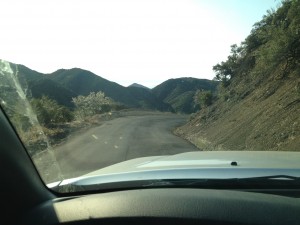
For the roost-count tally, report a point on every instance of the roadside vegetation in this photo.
(54, 122)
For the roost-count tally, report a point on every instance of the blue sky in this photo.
(134, 41)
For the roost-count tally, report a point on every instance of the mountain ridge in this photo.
(179, 92)
(138, 85)
(64, 84)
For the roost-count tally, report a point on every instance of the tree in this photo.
(203, 98)
(280, 30)
(49, 112)
(226, 70)
(94, 103)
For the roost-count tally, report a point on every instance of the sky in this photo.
(127, 41)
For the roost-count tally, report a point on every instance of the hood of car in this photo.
(196, 165)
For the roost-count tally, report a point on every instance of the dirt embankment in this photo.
(264, 118)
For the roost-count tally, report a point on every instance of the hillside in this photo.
(258, 104)
(39, 84)
(179, 92)
(63, 85)
(83, 82)
(146, 99)
(174, 95)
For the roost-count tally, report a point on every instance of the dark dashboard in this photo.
(169, 206)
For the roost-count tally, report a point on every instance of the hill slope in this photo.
(63, 85)
(83, 82)
(179, 92)
(258, 104)
(175, 95)
(146, 99)
(39, 84)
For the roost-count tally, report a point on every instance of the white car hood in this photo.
(208, 159)
(194, 165)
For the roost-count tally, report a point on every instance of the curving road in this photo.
(121, 139)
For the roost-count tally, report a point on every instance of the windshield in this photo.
(107, 92)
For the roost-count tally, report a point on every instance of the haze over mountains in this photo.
(175, 95)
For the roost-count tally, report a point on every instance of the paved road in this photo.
(121, 139)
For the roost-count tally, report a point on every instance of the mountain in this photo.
(146, 99)
(138, 85)
(63, 85)
(258, 101)
(179, 92)
(174, 95)
(39, 84)
(82, 82)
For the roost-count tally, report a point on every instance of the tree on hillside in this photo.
(94, 103)
(49, 112)
(226, 70)
(283, 47)
(203, 98)
(274, 41)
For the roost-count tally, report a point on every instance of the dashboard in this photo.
(169, 206)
